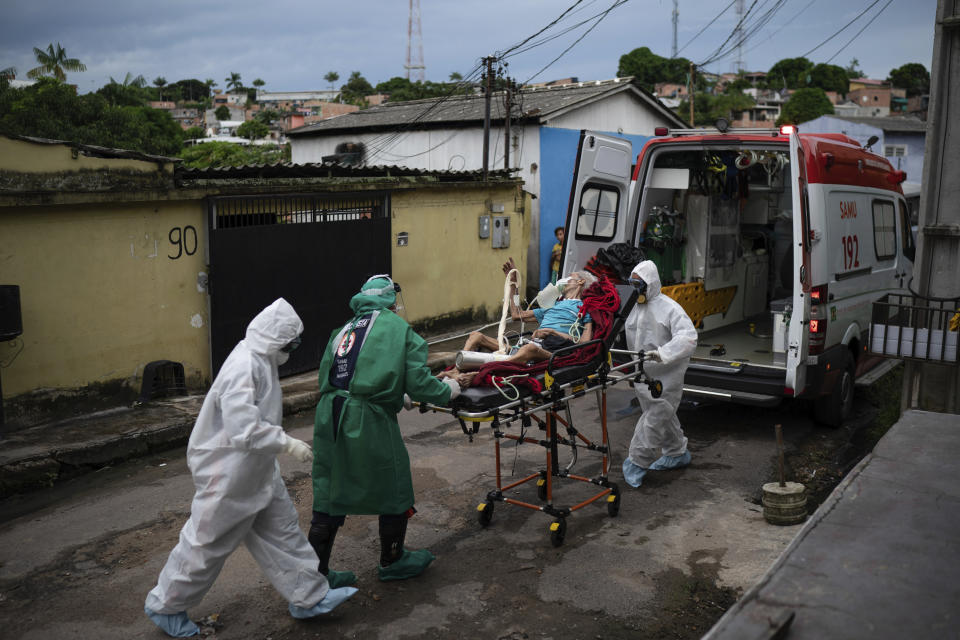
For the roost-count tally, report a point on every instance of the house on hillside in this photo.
(447, 134)
(901, 140)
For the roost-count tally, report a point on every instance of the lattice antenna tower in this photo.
(739, 35)
(676, 20)
(415, 68)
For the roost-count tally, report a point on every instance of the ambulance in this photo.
(776, 242)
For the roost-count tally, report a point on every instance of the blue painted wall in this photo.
(912, 163)
(558, 154)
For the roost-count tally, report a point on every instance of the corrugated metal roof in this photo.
(328, 170)
(95, 151)
(532, 104)
(887, 123)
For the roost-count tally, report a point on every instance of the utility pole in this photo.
(676, 19)
(486, 116)
(739, 35)
(506, 125)
(693, 69)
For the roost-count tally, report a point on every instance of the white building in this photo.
(447, 134)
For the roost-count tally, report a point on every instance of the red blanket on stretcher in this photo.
(601, 301)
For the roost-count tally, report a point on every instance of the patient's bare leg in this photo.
(477, 341)
(529, 352)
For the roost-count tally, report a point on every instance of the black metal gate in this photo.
(313, 250)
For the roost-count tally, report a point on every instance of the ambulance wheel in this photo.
(613, 506)
(558, 531)
(485, 513)
(832, 409)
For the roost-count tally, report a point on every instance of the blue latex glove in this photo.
(333, 598)
(671, 462)
(633, 473)
(175, 625)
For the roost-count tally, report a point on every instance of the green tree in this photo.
(828, 77)
(192, 90)
(131, 92)
(228, 154)
(234, 85)
(356, 90)
(853, 69)
(52, 109)
(707, 108)
(211, 85)
(258, 82)
(789, 72)
(455, 77)
(54, 63)
(805, 105)
(194, 133)
(160, 82)
(253, 129)
(222, 112)
(331, 78)
(912, 76)
(9, 73)
(647, 68)
(267, 116)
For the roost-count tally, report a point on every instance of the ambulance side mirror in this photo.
(872, 140)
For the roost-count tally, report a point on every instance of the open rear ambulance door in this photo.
(599, 195)
(798, 331)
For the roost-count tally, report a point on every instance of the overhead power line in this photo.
(715, 18)
(857, 34)
(841, 29)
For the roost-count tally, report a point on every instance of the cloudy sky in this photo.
(291, 45)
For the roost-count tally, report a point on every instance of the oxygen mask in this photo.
(548, 296)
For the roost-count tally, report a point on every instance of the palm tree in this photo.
(54, 62)
(9, 73)
(233, 82)
(160, 82)
(130, 81)
(332, 77)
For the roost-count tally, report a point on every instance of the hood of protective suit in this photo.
(647, 271)
(367, 300)
(273, 328)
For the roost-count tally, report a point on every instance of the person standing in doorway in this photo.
(555, 255)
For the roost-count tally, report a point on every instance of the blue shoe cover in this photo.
(175, 625)
(330, 602)
(337, 579)
(633, 473)
(671, 462)
(410, 565)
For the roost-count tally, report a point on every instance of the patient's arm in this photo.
(587, 333)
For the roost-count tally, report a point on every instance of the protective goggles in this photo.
(292, 345)
(640, 286)
(393, 286)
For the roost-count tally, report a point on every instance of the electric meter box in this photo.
(501, 232)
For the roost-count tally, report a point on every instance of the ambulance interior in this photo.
(718, 223)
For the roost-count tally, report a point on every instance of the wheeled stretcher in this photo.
(549, 409)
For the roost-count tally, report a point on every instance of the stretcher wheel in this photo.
(558, 531)
(485, 513)
(656, 388)
(542, 489)
(613, 505)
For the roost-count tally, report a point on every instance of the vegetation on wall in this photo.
(226, 154)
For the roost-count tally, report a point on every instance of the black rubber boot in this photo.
(323, 531)
(321, 538)
(393, 531)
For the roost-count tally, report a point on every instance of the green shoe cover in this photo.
(338, 579)
(410, 565)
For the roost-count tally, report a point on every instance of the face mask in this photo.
(291, 346)
(547, 297)
(641, 288)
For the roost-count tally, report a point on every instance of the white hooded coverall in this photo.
(240, 496)
(660, 324)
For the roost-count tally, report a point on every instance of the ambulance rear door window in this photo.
(884, 229)
(597, 217)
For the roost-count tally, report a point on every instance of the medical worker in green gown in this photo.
(360, 463)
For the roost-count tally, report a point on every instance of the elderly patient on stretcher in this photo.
(561, 325)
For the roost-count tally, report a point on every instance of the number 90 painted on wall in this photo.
(184, 239)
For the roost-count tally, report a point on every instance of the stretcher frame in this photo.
(554, 398)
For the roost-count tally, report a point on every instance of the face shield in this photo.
(641, 287)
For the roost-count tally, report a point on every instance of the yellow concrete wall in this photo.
(103, 292)
(32, 157)
(447, 268)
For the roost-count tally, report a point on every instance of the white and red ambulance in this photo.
(777, 243)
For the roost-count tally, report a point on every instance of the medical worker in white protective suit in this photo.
(660, 328)
(240, 496)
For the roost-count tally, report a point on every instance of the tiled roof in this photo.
(326, 170)
(887, 123)
(530, 105)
